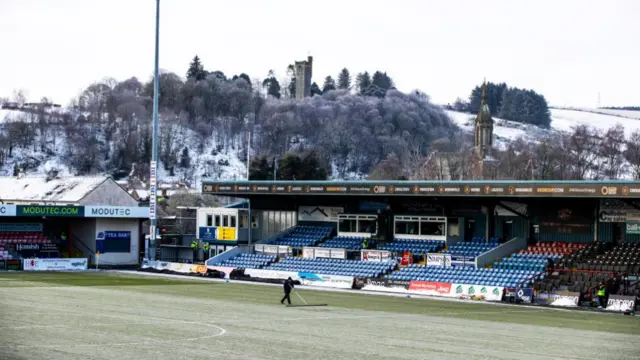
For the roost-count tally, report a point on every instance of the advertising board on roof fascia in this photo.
(577, 190)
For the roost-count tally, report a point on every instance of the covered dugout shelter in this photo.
(59, 217)
(562, 211)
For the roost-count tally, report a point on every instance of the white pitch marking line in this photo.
(221, 331)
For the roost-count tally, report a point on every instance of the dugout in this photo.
(562, 211)
(70, 217)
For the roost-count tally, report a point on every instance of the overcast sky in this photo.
(568, 50)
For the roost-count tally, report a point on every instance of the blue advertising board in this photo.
(207, 233)
(524, 295)
(113, 241)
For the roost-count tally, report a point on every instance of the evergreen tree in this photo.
(242, 76)
(363, 82)
(261, 169)
(196, 70)
(306, 166)
(329, 84)
(185, 159)
(344, 80)
(272, 85)
(315, 89)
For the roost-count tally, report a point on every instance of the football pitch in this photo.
(107, 315)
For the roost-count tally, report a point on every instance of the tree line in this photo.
(350, 125)
(509, 103)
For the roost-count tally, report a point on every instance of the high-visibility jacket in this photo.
(194, 244)
(205, 246)
(601, 290)
(364, 244)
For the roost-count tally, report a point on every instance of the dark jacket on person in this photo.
(288, 285)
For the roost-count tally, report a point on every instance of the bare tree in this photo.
(612, 152)
(632, 154)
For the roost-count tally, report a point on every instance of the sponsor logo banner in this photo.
(559, 298)
(431, 288)
(8, 210)
(174, 267)
(55, 264)
(331, 281)
(489, 293)
(319, 213)
(376, 255)
(271, 274)
(116, 212)
(438, 259)
(524, 295)
(621, 303)
(45, 210)
(382, 189)
(273, 249)
(633, 227)
(20, 227)
(333, 253)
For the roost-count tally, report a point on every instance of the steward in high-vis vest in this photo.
(194, 248)
(364, 243)
(601, 294)
(205, 247)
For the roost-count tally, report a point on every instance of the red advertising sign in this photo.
(407, 258)
(439, 287)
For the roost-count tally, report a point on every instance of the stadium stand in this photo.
(342, 267)
(475, 247)
(344, 242)
(582, 270)
(249, 261)
(10, 239)
(416, 246)
(304, 235)
(466, 275)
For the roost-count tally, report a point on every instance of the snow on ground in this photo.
(561, 120)
(630, 114)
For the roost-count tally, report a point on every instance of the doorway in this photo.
(618, 233)
(507, 230)
(469, 229)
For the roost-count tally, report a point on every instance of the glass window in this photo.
(453, 228)
(254, 221)
(233, 221)
(225, 221)
(432, 228)
(217, 222)
(244, 219)
(209, 220)
(347, 225)
(407, 227)
(367, 226)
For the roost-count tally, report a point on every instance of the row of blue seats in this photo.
(304, 235)
(334, 267)
(471, 276)
(344, 242)
(537, 262)
(251, 261)
(480, 240)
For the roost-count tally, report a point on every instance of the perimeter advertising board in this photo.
(412, 188)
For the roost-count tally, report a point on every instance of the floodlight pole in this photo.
(153, 181)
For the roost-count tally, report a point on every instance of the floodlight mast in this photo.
(153, 181)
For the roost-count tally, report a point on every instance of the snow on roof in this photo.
(37, 188)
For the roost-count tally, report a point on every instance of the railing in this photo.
(84, 249)
(501, 251)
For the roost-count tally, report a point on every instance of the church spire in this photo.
(484, 125)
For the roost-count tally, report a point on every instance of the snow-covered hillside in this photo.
(222, 163)
(562, 120)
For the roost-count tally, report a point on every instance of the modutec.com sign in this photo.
(117, 212)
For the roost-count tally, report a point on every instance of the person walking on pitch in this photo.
(288, 286)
